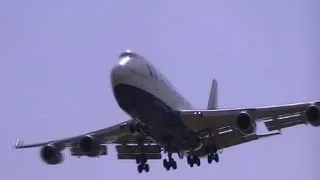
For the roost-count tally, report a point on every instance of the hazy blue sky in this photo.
(56, 56)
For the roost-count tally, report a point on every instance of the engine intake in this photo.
(90, 146)
(51, 155)
(245, 123)
(313, 115)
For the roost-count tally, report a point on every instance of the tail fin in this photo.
(213, 96)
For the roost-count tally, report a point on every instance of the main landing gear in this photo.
(212, 154)
(212, 157)
(141, 160)
(169, 163)
(192, 160)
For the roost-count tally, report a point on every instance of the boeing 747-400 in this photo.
(164, 121)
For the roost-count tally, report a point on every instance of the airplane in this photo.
(161, 120)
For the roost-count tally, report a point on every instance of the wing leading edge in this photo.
(127, 137)
(117, 134)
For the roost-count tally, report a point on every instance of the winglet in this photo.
(18, 143)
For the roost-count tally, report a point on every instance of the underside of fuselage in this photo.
(163, 123)
(152, 103)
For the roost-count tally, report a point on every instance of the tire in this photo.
(146, 167)
(216, 158)
(189, 160)
(210, 159)
(165, 163)
(198, 162)
(174, 165)
(140, 168)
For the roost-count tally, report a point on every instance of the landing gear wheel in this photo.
(174, 165)
(210, 158)
(197, 161)
(193, 160)
(216, 158)
(189, 160)
(212, 153)
(169, 164)
(141, 160)
(166, 164)
(140, 168)
(146, 167)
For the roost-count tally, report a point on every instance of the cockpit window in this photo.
(128, 54)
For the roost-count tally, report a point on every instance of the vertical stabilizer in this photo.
(213, 96)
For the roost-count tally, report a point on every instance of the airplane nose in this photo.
(117, 74)
(120, 73)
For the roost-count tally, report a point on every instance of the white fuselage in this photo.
(134, 71)
(149, 98)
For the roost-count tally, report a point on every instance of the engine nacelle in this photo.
(246, 123)
(90, 146)
(313, 115)
(51, 155)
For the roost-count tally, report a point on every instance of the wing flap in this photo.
(76, 151)
(132, 151)
(134, 156)
(284, 122)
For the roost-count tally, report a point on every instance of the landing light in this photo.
(124, 61)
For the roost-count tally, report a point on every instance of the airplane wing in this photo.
(229, 127)
(128, 144)
(116, 134)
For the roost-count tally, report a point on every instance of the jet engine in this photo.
(90, 146)
(313, 115)
(245, 123)
(51, 155)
